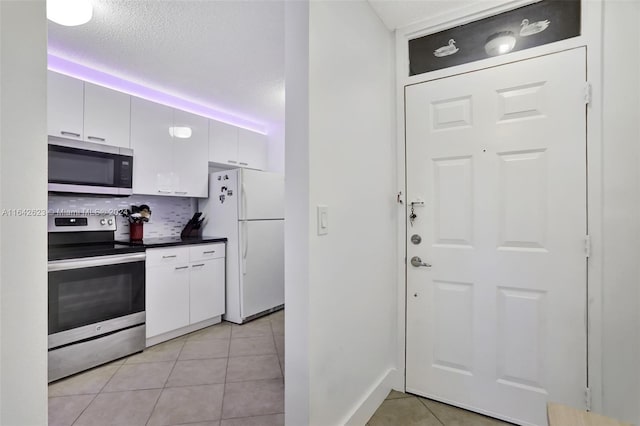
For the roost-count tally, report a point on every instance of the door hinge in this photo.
(587, 93)
(399, 198)
(587, 399)
(587, 246)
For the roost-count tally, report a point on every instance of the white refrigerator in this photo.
(247, 207)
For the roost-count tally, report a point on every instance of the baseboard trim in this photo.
(151, 341)
(372, 400)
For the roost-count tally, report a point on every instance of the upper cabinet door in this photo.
(107, 116)
(190, 156)
(223, 143)
(152, 147)
(65, 99)
(252, 149)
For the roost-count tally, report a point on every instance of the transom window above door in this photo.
(533, 25)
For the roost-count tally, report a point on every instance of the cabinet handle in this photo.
(228, 161)
(62, 132)
(180, 192)
(208, 252)
(167, 257)
(244, 164)
(199, 264)
(96, 138)
(164, 192)
(181, 267)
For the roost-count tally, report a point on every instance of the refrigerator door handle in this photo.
(243, 202)
(245, 246)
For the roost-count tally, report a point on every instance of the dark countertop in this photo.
(173, 241)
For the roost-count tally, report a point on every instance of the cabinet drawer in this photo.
(167, 256)
(204, 252)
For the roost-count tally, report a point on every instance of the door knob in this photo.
(416, 261)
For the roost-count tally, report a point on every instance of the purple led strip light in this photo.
(100, 78)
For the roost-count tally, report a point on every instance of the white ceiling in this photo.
(226, 55)
(401, 13)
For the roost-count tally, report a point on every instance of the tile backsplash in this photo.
(168, 214)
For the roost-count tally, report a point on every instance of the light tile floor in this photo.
(401, 409)
(224, 375)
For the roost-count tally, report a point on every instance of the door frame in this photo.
(591, 24)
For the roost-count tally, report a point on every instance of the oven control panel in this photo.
(75, 223)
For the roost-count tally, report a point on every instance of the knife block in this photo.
(189, 232)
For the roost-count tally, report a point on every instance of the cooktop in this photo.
(75, 251)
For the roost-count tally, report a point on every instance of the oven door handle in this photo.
(89, 262)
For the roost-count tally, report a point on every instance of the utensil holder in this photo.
(136, 231)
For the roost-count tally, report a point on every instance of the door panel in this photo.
(453, 184)
(496, 163)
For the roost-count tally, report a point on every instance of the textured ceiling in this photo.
(225, 55)
(401, 13)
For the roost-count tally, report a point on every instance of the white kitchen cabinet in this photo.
(206, 286)
(152, 147)
(85, 111)
(185, 289)
(167, 298)
(252, 149)
(223, 143)
(206, 252)
(107, 116)
(65, 106)
(236, 147)
(190, 164)
(162, 164)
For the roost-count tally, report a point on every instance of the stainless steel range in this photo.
(96, 294)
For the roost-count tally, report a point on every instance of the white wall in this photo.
(352, 271)
(340, 288)
(296, 224)
(275, 148)
(621, 212)
(23, 185)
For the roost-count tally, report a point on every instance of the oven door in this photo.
(93, 296)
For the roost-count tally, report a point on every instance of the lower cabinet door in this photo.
(207, 289)
(167, 298)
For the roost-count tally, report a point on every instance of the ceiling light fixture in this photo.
(69, 13)
(500, 43)
(180, 132)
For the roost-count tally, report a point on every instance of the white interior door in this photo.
(498, 156)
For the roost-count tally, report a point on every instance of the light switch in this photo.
(323, 220)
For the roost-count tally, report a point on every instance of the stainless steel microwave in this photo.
(89, 168)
